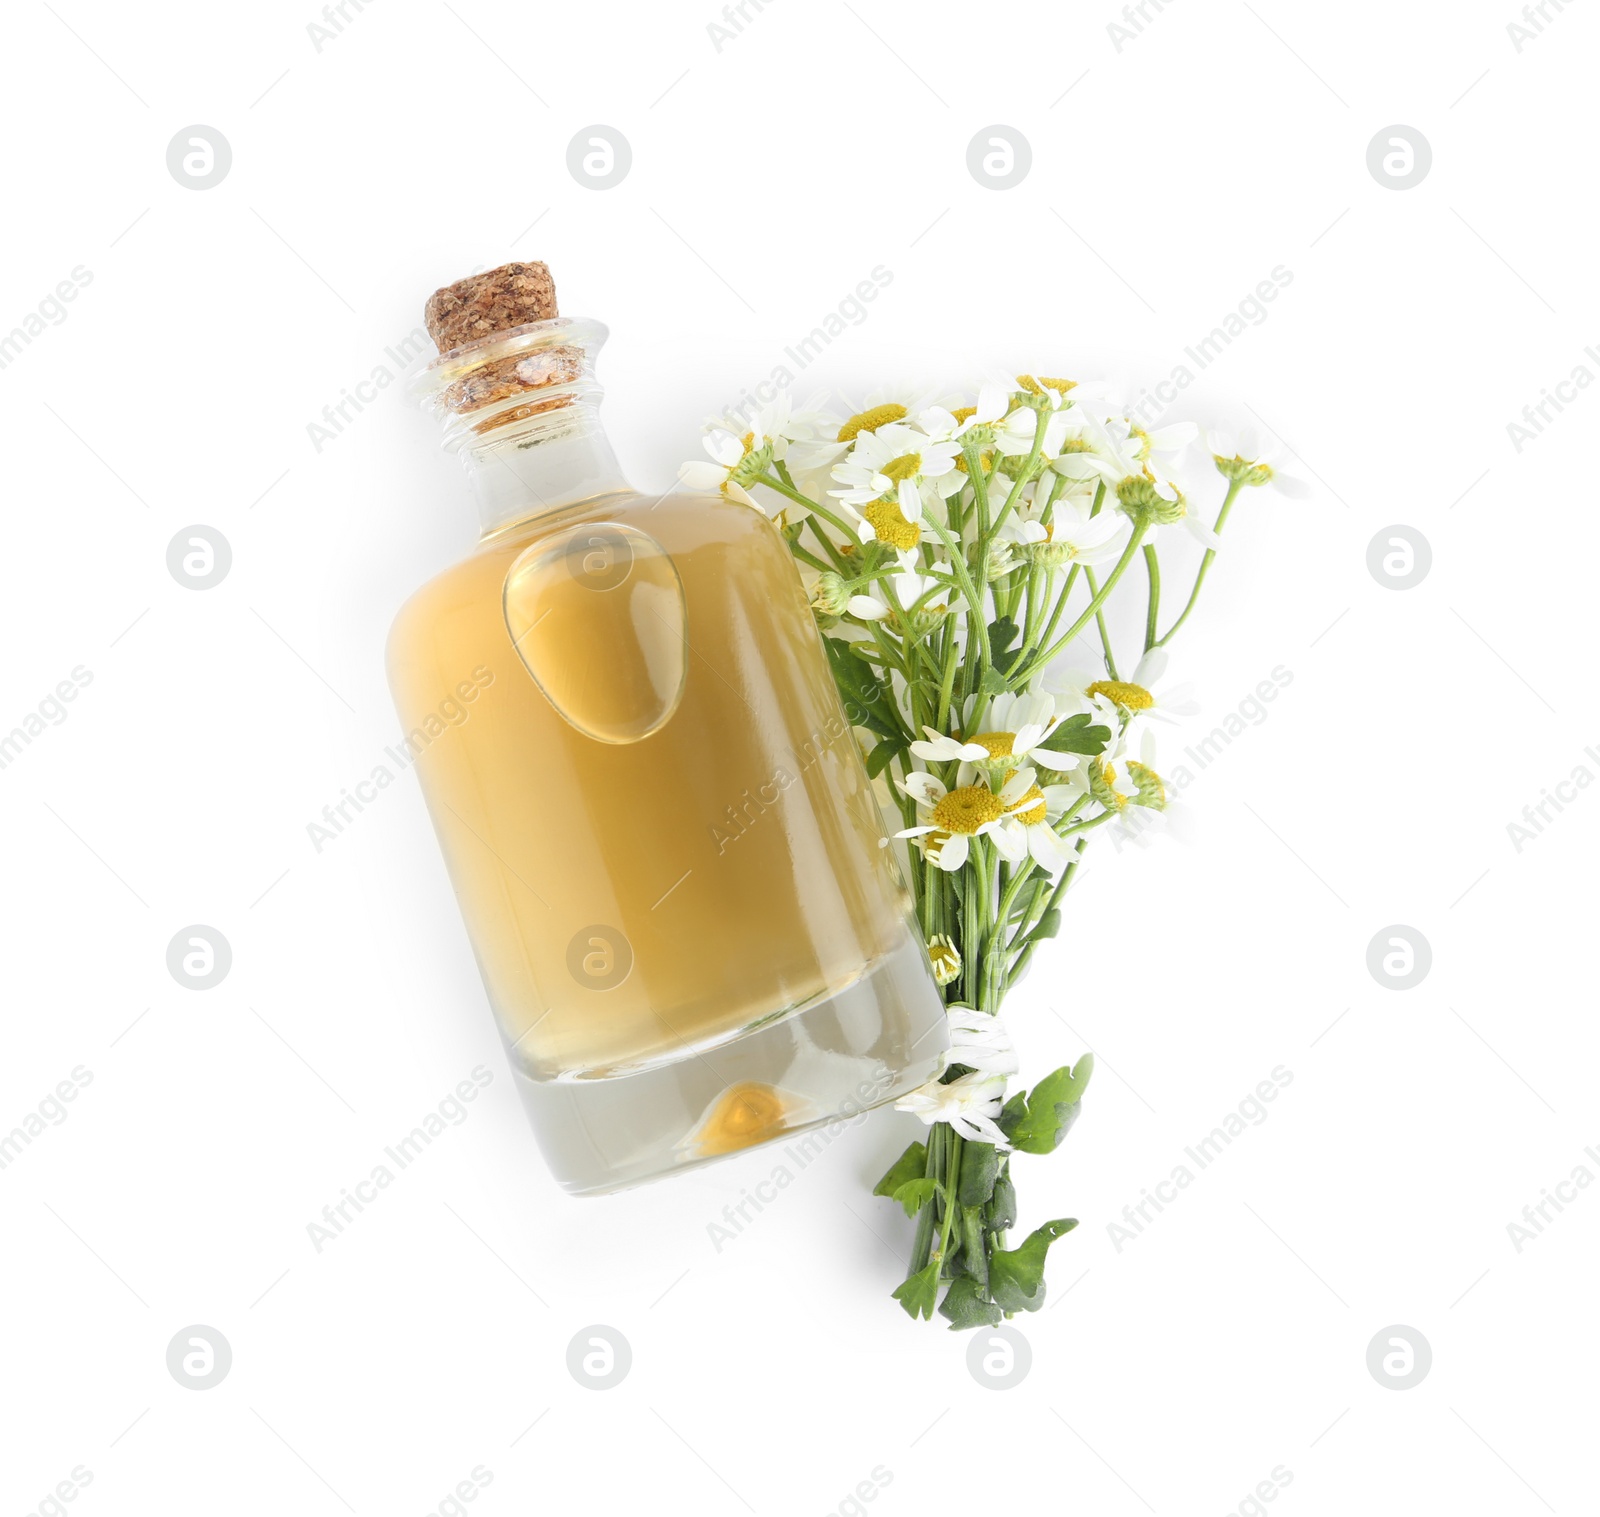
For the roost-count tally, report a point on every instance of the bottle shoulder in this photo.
(680, 522)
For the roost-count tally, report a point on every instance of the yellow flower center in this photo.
(870, 421)
(1042, 383)
(906, 466)
(1129, 696)
(967, 809)
(1106, 791)
(748, 441)
(1035, 812)
(998, 743)
(945, 958)
(1076, 445)
(963, 413)
(891, 526)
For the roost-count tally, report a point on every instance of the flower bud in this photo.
(830, 595)
(1141, 499)
(1152, 791)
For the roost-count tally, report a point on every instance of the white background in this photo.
(769, 176)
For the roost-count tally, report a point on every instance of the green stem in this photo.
(1153, 568)
(1100, 626)
(970, 592)
(1205, 565)
(816, 507)
(1092, 610)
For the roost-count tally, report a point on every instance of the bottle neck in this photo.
(541, 464)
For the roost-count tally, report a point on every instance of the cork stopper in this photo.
(481, 305)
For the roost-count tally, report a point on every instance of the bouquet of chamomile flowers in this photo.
(961, 559)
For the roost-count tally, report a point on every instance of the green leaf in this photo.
(1003, 1205)
(1048, 925)
(1038, 1121)
(913, 1195)
(883, 755)
(966, 1306)
(980, 1163)
(1003, 633)
(864, 693)
(1077, 735)
(994, 683)
(974, 1247)
(917, 1293)
(1016, 1275)
(911, 1165)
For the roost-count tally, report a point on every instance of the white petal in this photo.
(1151, 667)
(698, 475)
(867, 608)
(1010, 840)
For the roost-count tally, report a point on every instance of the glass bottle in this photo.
(665, 844)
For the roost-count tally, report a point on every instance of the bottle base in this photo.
(827, 1062)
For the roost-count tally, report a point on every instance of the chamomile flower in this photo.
(1124, 701)
(892, 463)
(901, 592)
(979, 1041)
(1026, 830)
(951, 818)
(1012, 728)
(1160, 505)
(944, 958)
(1245, 459)
(969, 1105)
(736, 463)
(980, 1044)
(1158, 450)
(1072, 535)
(832, 435)
(744, 444)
